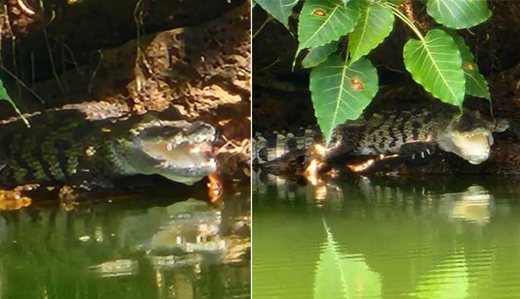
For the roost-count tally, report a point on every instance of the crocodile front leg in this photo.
(417, 150)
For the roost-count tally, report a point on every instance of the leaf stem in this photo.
(20, 114)
(19, 81)
(405, 20)
(267, 20)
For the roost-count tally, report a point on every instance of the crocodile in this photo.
(413, 131)
(65, 146)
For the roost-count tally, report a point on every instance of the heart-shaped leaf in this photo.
(374, 25)
(341, 92)
(458, 13)
(476, 84)
(435, 63)
(319, 54)
(281, 10)
(341, 276)
(324, 21)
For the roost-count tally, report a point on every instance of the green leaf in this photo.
(319, 54)
(476, 84)
(458, 13)
(3, 93)
(374, 25)
(341, 92)
(5, 96)
(340, 276)
(324, 21)
(281, 10)
(435, 63)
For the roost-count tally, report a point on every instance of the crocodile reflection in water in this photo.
(185, 227)
(468, 202)
(63, 146)
(191, 226)
(406, 230)
(109, 240)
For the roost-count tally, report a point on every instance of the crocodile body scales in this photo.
(387, 132)
(405, 130)
(63, 146)
(51, 150)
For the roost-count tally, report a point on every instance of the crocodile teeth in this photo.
(211, 162)
(195, 150)
(178, 139)
(164, 164)
(477, 133)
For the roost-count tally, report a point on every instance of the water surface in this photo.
(143, 247)
(432, 237)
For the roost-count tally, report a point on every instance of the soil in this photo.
(130, 56)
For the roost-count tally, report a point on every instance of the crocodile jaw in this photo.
(473, 146)
(184, 163)
(181, 154)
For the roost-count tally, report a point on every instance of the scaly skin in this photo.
(62, 146)
(412, 131)
(407, 131)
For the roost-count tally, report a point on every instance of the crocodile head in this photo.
(470, 136)
(178, 150)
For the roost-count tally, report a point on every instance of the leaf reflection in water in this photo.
(343, 276)
(392, 237)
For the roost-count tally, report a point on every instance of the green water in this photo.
(135, 248)
(431, 237)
